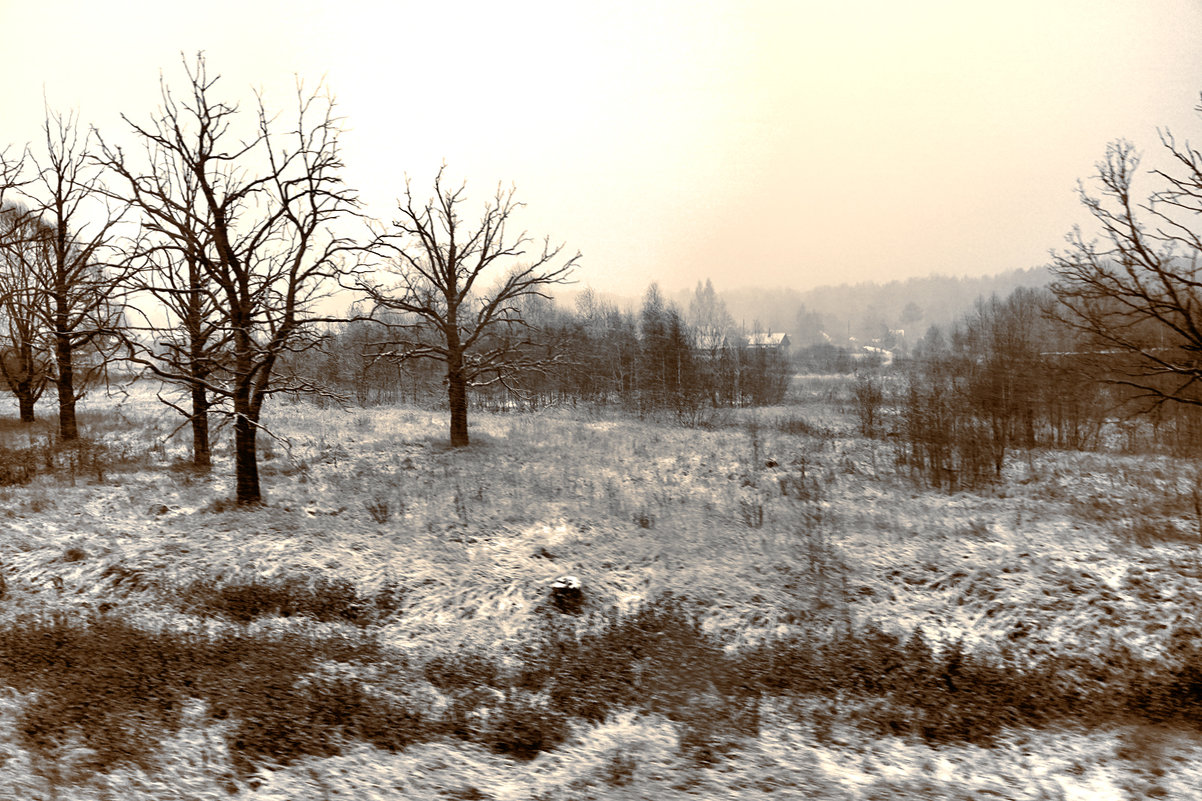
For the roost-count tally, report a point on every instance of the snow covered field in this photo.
(779, 525)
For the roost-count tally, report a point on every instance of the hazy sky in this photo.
(769, 143)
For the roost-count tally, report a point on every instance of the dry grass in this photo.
(454, 551)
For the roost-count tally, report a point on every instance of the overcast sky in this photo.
(766, 143)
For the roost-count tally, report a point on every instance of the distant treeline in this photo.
(861, 313)
(658, 360)
(1013, 375)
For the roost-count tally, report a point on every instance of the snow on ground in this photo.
(1070, 553)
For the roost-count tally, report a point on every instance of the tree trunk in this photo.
(23, 378)
(246, 457)
(202, 456)
(26, 403)
(68, 431)
(194, 324)
(457, 395)
(246, 460)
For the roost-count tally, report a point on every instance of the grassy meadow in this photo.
(772, 608)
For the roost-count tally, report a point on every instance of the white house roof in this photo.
(767, 340)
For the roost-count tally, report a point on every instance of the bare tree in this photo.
(186, 343)
(1136, 291)
(478, 333)
(80, 281)
(26, 362)
(181, 337)
(247, 230)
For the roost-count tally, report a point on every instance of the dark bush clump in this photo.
(1173, 694)
(121, 691)
(714, 724)
(82, 458)
(322, 599)
(942, 697)
(520, 727)
(288, 720)
(463, 671)
(17, 466)
(800, 426)
(487, 709)
(657, 659)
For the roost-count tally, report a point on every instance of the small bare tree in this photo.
(445, 312)
(80, 278)
(244, 232)
(26, 363)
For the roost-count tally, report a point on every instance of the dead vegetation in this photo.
(762, 602)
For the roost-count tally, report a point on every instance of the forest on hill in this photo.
(868, 310)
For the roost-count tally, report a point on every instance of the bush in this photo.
(455, 672)
(800, 426)
(657, 659)
(17, 466)
(121, 691)
(869, 398)
(948, 696)
(82, 458)
(714, 724)
(1174, 694)
(942, 441)
(522, 726)
(324, 599)
(660, 660)
(286, 719)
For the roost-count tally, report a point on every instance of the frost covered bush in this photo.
(87, 459)
(659, 660)
(462, 670)
(487, 708)
(869, 397)
(656, 658)
(714, 725)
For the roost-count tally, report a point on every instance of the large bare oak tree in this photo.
(245, 242)
(436, 301)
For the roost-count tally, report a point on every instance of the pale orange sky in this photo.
(767, 143)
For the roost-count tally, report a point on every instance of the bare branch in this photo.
(1137, 290)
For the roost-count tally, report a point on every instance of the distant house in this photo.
(776, 342)
(874, 355)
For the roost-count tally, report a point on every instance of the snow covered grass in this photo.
(780, 526)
